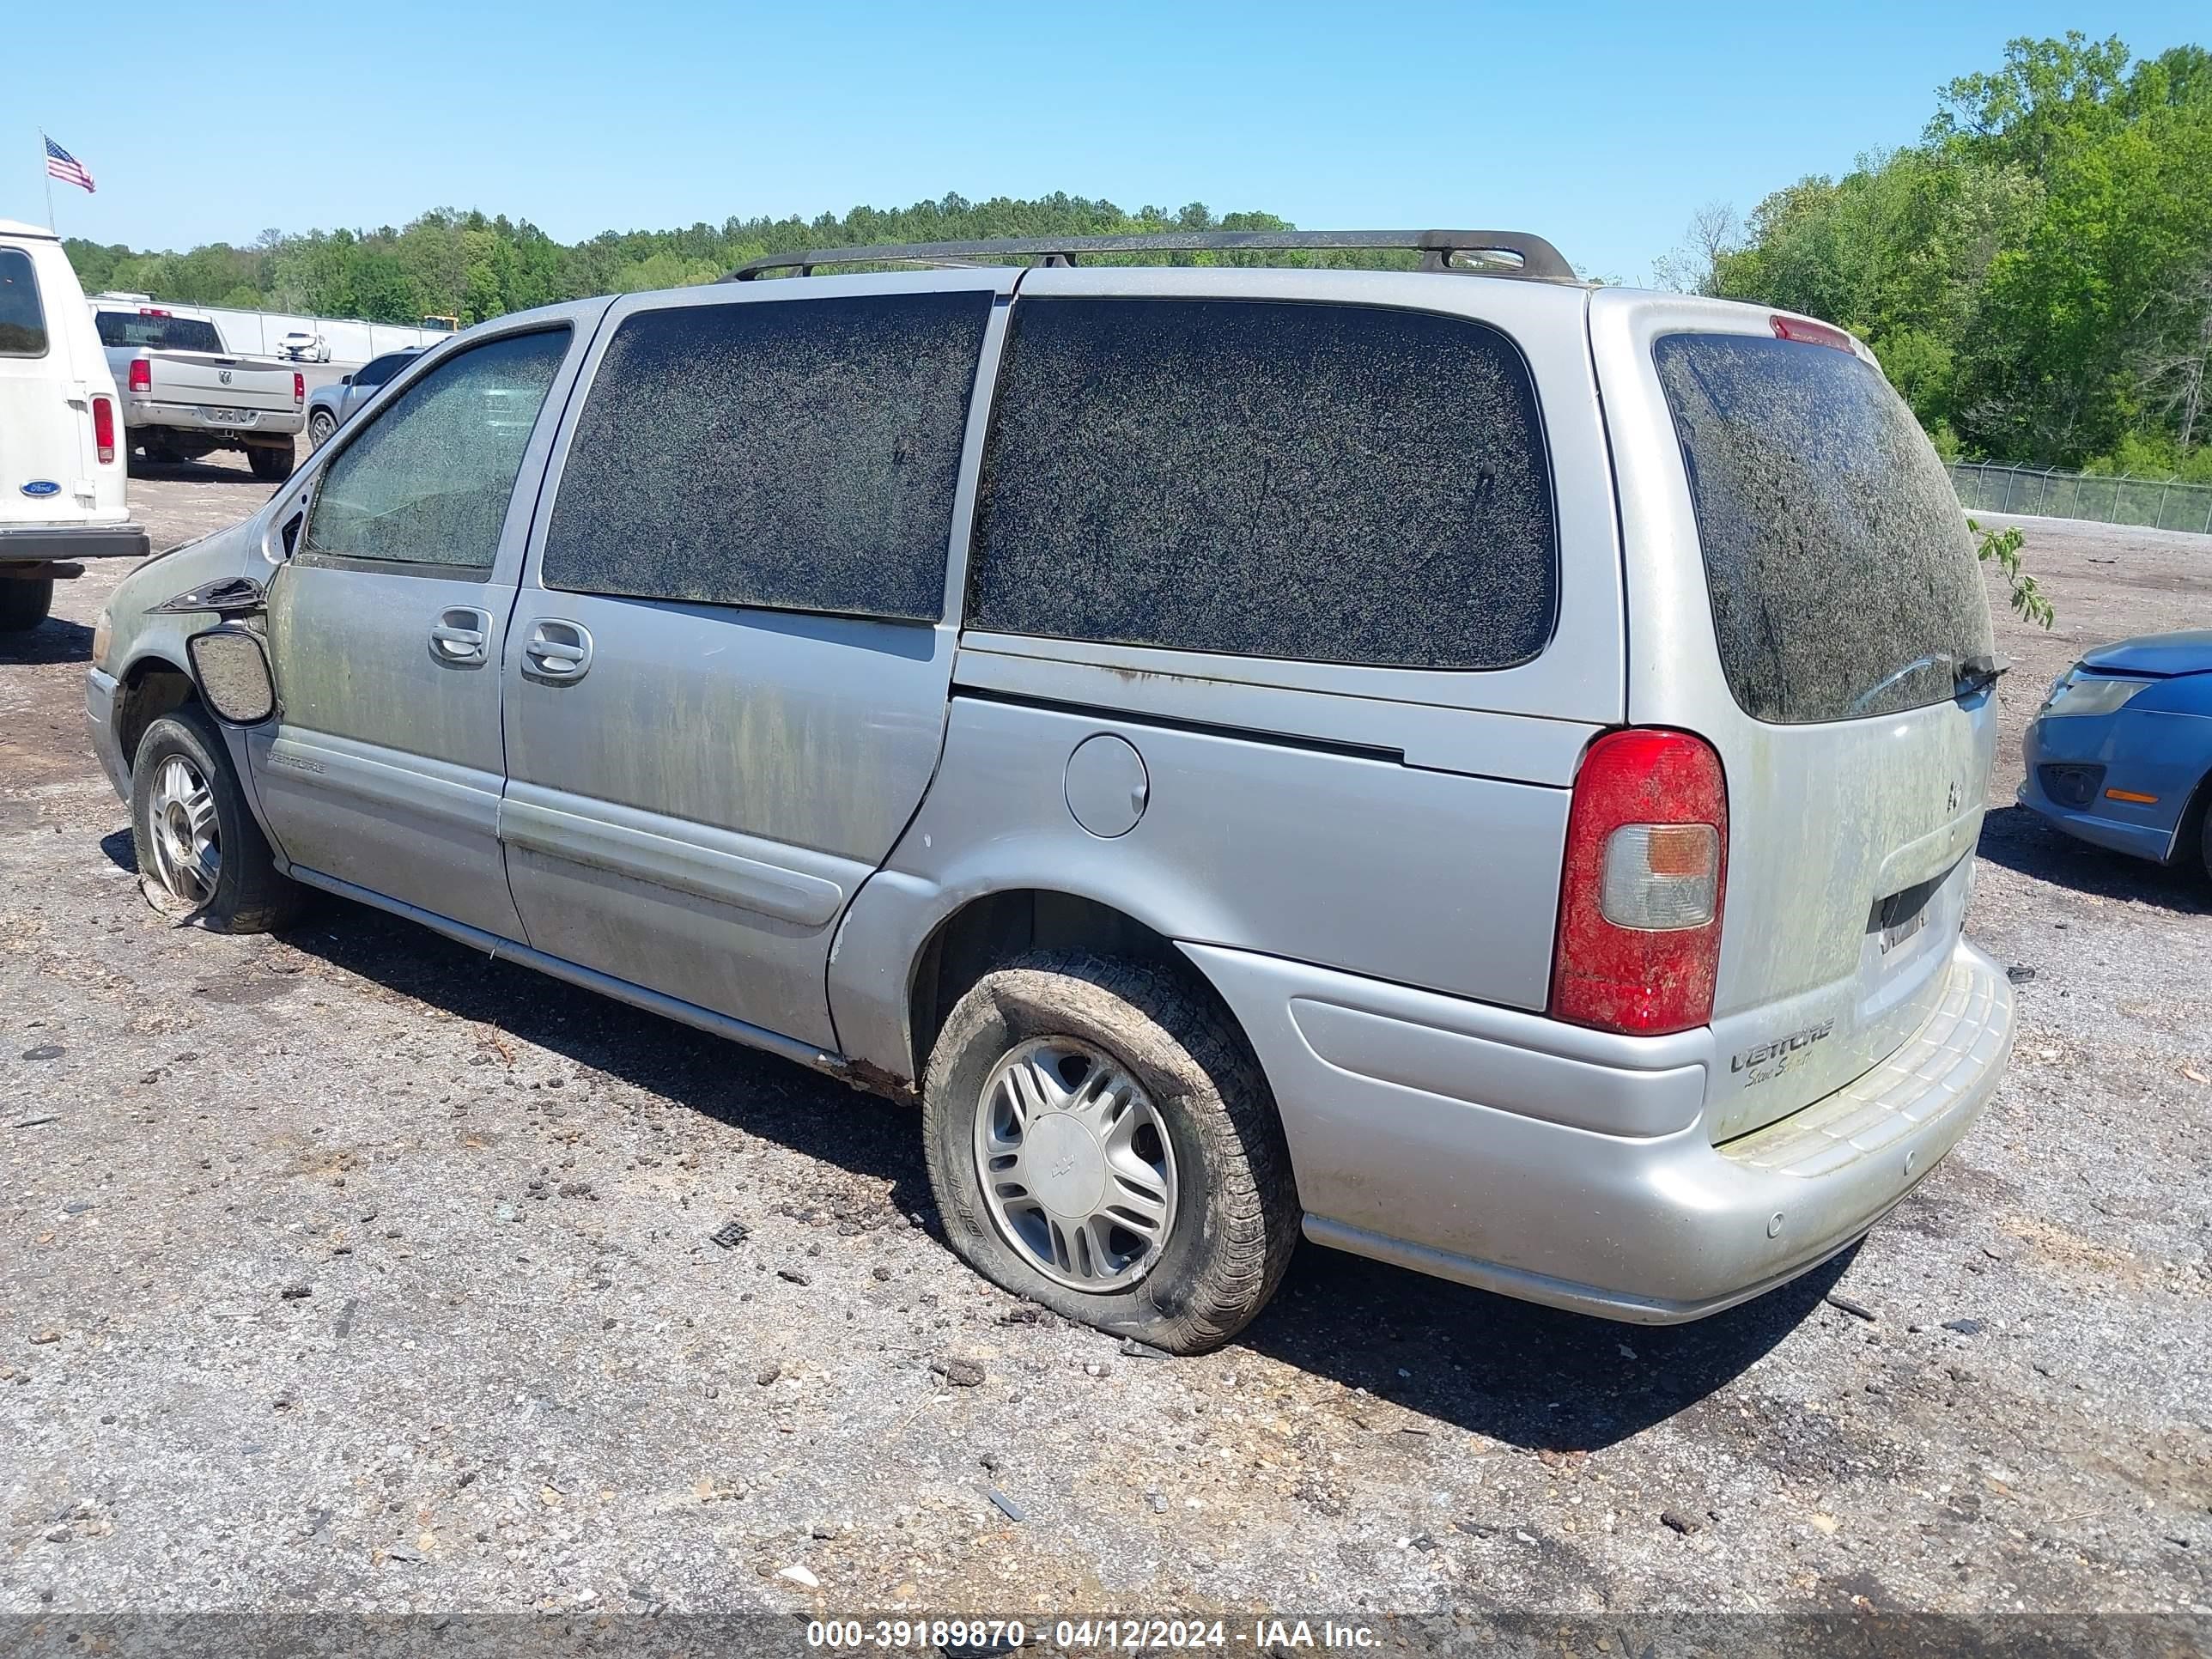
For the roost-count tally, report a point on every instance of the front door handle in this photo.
(461, 637)
(559, 650)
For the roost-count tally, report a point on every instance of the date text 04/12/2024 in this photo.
(1073, 1635)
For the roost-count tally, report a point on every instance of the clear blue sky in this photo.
(1603, 126)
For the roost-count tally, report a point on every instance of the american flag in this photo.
(60, 164)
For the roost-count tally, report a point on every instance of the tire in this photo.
(270, 465)
(238, 889)
(320, 425)
(1212, 1144)
(25, 604)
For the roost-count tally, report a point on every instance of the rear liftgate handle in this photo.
(559, 650)
(460, 636)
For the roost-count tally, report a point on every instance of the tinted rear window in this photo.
(798, 454)
(22, 321)
(143, 333)
(378, 370)
(1325, 482)
(1844, 581)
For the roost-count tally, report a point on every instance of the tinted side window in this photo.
(22, 319)
(1333, 483)
(378, 370)
(427, 481)
(799, 454)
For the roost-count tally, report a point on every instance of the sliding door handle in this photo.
(559, 650)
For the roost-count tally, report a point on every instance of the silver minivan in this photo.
(1478, 768)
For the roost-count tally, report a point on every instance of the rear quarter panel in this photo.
(1356, 862)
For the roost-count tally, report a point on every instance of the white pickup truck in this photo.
(185, 396)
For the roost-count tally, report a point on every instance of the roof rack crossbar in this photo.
(1480, 253)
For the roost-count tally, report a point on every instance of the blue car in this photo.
(2120, 753)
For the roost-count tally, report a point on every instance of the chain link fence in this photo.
(2162, 504)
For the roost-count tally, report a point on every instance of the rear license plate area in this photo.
(228, 416)
(1901, 916)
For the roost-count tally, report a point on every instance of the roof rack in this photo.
(1476, 252)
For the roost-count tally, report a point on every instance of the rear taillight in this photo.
(1639, 937)
(142, 375)
(1810, 333)
(299, 388)
(103, 430)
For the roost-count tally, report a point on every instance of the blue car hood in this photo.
(2158, 655)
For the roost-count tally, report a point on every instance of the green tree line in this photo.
(2035, 274)
(449, 262)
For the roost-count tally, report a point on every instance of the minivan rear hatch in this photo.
(1806, 597)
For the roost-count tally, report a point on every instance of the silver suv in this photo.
(329, 405)
(1481, 769)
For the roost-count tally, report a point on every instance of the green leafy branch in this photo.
(2003, 547)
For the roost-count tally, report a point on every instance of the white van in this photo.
(61, 451)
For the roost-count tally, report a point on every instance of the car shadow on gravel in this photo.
(194, 472)
(757, 1092)
(1530, 1376)
(52, 641)
(2019, 840)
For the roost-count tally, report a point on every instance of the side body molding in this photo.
(738, 870)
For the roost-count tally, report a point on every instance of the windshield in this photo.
(1843, 579)
(143, 333)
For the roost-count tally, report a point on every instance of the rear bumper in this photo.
(1576, 1168)
(66, 544)
(266, 423)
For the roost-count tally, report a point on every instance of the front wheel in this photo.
(320, 425)
(200, 852)
(1101, 1139)
(270, 465)
(25, 604)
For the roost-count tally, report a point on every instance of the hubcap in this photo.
(1078, 1171)
(187, 852)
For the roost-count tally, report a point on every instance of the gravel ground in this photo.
(344, 1269)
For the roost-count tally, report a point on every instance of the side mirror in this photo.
(230, 664)
(345, 380)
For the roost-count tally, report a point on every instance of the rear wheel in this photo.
(270, 464)
(1101, 1139)
(25, 604)
(200, 855)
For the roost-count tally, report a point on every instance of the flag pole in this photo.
(51, 225)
